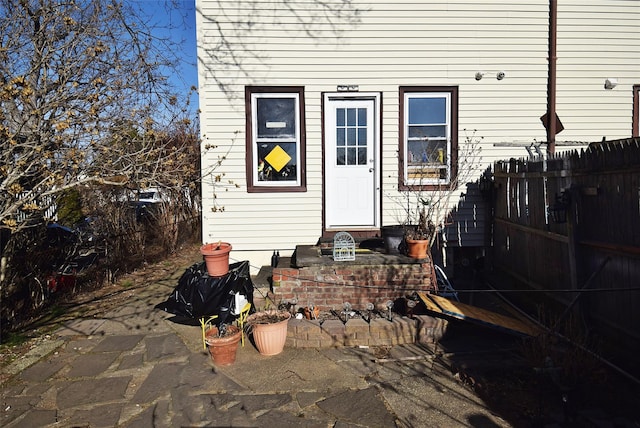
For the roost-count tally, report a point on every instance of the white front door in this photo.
(351, 161)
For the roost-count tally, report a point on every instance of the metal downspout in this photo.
(551, 83)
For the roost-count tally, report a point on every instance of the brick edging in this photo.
(358, 332)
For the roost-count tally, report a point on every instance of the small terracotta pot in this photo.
(269, 338)
(417, 248)
(223, 349)
(216, 258)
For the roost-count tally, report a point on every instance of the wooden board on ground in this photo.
(446, 307)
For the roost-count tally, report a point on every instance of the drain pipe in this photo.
(551, 82)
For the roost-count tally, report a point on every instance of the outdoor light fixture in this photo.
(389, 306)
(610, 83)
(499, 75)
(485, 184)
(560, 207)
(411, 304)
(369, 307)
(347, 312)
(348, 88)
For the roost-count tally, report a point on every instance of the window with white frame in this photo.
(275, 139)
(428, 136)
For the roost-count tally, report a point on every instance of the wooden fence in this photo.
(594, 256)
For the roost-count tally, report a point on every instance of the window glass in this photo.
(276, 117)
(427, 110)
(277, 162)
(427, 131)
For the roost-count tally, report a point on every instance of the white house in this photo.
(320, 113)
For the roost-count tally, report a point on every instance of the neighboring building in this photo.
(324, 110)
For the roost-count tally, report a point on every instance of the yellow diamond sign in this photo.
(277, 158)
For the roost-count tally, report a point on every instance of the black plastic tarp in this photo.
(199, 295)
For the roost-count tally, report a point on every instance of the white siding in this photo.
(388, 44)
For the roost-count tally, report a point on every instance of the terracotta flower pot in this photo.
(223, 349)
(417, 248)
(216, 258)
(269, 330)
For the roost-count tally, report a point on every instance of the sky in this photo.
(181, 20)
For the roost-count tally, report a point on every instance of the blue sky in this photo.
(181, 21)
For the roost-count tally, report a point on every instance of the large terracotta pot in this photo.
(216, 258)
(417, 248)
(223, 349)
(269, 330)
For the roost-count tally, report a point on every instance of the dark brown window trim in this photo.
(635, 127)
(453, 90)
(251, 188)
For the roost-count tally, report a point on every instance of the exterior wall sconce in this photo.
(347, 88)
(499, 75)
(610, 83)
(559, 209)
(485, 184)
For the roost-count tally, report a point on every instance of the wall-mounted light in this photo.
(499, 75)
(610, 83)
(559, 209)
(348, 88)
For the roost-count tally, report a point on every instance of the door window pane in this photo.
(362, 117)
(362, 136)
(341, 156)
(351, 117)
(362, 155)
(351, 136)
(340, 117)
(351, 156)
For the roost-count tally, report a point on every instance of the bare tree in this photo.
(85, 99)
(86, 105)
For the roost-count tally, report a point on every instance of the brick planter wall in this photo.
(329, 286)
(314, 278)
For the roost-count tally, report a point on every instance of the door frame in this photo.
(376, 97)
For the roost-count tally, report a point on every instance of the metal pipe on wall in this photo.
(551, 83)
